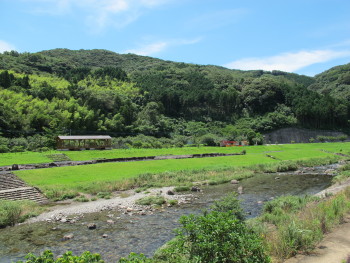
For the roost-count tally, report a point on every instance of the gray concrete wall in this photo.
(286, 135)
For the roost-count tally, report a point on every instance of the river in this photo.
(146, 233)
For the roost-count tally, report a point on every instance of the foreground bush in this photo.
(216, 236)
(48, 257)
(220, 237)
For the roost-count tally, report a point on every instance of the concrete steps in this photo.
(13, 188)
(10, 181)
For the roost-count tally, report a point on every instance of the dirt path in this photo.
(334, 248)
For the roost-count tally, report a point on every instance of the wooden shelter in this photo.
(79, 142)
(226, 143)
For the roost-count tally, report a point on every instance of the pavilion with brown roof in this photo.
(80, 142)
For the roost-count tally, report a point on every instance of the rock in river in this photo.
(91, 226)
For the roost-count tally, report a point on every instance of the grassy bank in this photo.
(12, 212)
(286, 151)
(292, 224)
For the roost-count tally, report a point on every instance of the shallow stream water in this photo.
(144, 234)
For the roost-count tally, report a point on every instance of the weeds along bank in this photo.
(291, 225)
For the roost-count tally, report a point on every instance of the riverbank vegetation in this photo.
(13, 212)
(293, 224)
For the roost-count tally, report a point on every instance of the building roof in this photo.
(85, 137)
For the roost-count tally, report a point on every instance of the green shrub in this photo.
(288, 203)
(182, 188)
(151, 200)
(60, 194)
(81, 198)
(135, 258)
(18, 149)
(10, 212)
(48, 257)
(173, 202)
(229, 203)
(209, 140)
(287, 166)
(294, 237)
(219, 237)
(4, 148)
(213, 182)
(105, 195)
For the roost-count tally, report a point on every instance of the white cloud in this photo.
(149, 49)
(99, 13)
(4, 46)
(157, 47)
(289, 62)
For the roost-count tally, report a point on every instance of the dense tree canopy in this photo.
(89, 91)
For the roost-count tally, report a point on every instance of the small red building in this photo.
(226, 143)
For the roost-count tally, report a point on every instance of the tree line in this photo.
(61, 90)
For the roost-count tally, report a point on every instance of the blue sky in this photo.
(301, 36)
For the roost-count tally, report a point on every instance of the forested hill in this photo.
(95, 91)
(335, 82)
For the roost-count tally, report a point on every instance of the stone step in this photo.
(23, 193)
(13, 188)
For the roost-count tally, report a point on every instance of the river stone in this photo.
(91, 226)
(195, 189)
(104, 235)
(68, 237)
(15, 167)
(170, 192)
(330, 171)
(110, 222)
(234, 182)
(129, 209)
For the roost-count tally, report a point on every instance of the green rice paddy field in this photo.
(288, 150)
(75, 176)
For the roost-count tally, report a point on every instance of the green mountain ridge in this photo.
(95, 91)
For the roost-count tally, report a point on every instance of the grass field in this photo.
(35, 157)
(284, 151)
(76, 175)
(87, 177)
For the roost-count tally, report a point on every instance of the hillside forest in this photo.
(127, 96)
